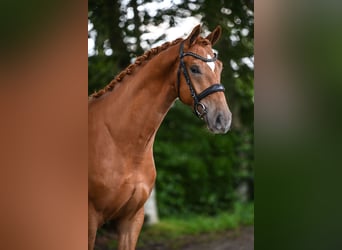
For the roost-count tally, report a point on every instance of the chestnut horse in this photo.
(125, 116)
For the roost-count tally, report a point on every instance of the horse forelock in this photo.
(203, 41)
(129, 70)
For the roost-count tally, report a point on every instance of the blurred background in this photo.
(198, 174)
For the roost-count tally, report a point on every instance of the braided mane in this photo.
(129, 70)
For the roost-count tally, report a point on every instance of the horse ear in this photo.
(194, 34)
(214, 36)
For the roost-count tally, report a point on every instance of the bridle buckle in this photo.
(202, 111)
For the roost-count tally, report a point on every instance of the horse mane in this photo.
(129, 70)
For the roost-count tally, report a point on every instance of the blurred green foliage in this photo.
(197, 172)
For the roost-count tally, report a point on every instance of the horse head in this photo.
(199, 77)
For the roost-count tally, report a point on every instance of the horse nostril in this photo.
(222, 122)
(218, 121)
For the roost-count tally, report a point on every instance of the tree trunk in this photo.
(151, 211)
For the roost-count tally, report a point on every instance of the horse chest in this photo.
(125, 192)
(127, 200)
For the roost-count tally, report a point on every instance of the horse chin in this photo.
(218, 122)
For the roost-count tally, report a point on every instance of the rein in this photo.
(199, 108)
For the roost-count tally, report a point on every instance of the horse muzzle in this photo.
(218, 122)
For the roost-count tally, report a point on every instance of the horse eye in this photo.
(195, 69)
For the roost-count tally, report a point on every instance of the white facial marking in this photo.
(211, 64)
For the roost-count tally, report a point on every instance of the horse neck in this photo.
(138, 105)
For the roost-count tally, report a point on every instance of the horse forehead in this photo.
(209, 53)
(204, 51)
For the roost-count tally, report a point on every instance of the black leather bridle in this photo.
(217, 87)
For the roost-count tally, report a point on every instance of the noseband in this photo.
(199, 108)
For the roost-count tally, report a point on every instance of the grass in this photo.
(172, 229)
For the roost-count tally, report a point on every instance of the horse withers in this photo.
(125, 116)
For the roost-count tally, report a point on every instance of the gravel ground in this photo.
(242, 240)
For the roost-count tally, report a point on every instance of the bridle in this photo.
(217, 87)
